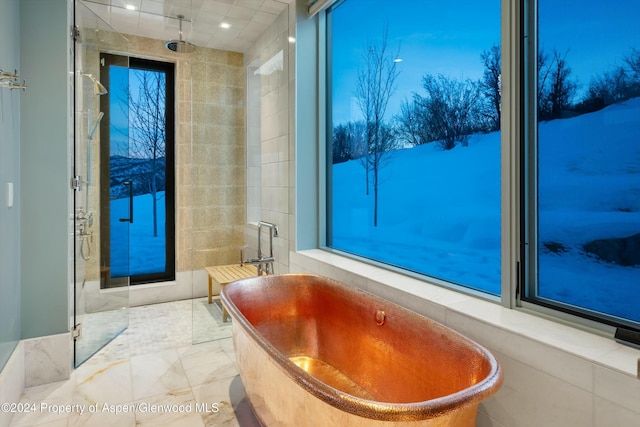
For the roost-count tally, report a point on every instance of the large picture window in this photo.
(584, 159)
(415, 171)
(414, 130)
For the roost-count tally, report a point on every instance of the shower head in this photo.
(180, 46)
(98, 88)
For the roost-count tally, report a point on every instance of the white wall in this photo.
(46, 197)
(45, 166)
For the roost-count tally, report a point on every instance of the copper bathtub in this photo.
(315, 352)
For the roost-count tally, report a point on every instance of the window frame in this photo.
(325, 159)
(518, 43)
(591, 319)
(168, 68)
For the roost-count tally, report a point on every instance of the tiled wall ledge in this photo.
(47, 359)
(555, 375)
(12, 382)
(188, 284)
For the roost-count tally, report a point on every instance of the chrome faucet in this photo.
(264, 264)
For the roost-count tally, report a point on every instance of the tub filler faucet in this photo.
(264, 264)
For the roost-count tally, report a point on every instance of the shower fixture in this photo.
(98, 88)
(180, 46)
(91, 132)
(11, 80)
(95, 126)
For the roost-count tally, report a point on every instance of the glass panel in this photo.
(10, 258)
(148, 94)
(414, 176)
(121, 182)
(102, 313)
(588, 183)
(140, 169)
(221, 172)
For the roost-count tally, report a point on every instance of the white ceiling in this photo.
(248, 19)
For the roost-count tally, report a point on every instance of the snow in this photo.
(134, 249)
(439, 211)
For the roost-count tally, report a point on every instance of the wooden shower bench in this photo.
(225, 274)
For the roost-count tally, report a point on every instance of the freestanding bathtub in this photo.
(315, 352)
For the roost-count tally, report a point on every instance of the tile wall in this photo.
(276, 134)
(210, 152)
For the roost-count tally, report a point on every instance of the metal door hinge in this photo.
(77, 332)
(75, 33)
(76, 183)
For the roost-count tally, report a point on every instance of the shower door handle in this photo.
(130, 219)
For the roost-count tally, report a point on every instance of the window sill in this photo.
(509, 331)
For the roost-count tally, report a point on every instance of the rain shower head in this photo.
(180, 46)
(98, 88)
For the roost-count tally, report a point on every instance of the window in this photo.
(137, 170)
(414, 123)
(584, 160)
(414, 127)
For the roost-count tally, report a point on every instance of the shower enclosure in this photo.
(100, 313)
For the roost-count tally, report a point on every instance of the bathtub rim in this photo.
(465, 399)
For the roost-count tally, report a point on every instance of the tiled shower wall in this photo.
(210, 152)
(277, 135)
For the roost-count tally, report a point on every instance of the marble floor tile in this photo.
(206, 362)
(152, 374)
(157, 373)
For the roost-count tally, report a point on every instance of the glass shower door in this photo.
(101, 306)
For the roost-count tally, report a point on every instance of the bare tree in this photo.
(562, 88)
(555, 88)
(490, 85)
(609, 87)
(543, 72)
(413, 123)
(633, 62)
(341, 143)
(357, 141)
(453, 109)
(147, 127)
(375, 85)
(617, 85)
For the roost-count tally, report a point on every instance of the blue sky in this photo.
(437, 39)
(448, 38)
(119, 121)
(596, 34)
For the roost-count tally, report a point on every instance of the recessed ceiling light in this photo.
(225, 25)
(292, 39)
(129, 7)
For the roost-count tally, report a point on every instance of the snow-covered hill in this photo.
(440, 210)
